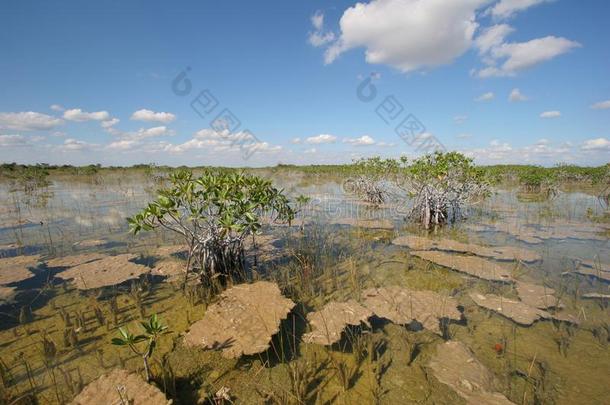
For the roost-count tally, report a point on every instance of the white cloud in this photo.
(148, 115)
(364, 140)
(8, 141)
(322, 138)
(56, 107)
(28, 121)
(507, 8)
(110, 123)
(550, 114)
(406, 34)
(71, 144)
(491, 37)
(485, 97)
(310, 150)
(318, 37)
(602, 144)
(460, 119)
(508, 58)
(602, 105)
(296, 140)
(516, 95)
(214, 141)
(76, 114)
(124, 144)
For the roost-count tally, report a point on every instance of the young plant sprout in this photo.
(153, 329)
(214, 213)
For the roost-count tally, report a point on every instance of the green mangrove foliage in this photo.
(214, 213)
(441, 184)
(539, 180)
(153, 329)
(369, 183)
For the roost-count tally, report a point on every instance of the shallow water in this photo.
(548, 362)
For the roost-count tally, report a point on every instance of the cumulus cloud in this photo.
(56, 107)
(507, 8)
(152, 116)
(296, 140)
(602, 105)
(72, 144)
(405, 34)
(76, 114)
(508, 58)
(322, 138)
(597, 144)
(110, 123)
(364, 140)
(11, 141)
(491, 37)
(485, 97)
(550, 114)
(318, 37)
(516, 95)
(212, 140)
(28, 121)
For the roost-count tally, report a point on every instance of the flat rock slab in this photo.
(90, 243)
(169, 268)
(365, 223)
(455, 365)
(402, 306)
(243, 321)
(328, 323)
(7, 294)
(164, 251)
(597, 296)
(472, 265)
(517, 311)
(16, 269)
(537, 295)
(448, 245)
(132, 388)
(74, 260)
(108, 271)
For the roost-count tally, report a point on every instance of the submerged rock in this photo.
(242, 321)
(536, 295)
(597, 296)
(472, 265)
(517, 311)
(402, 306)
(454, 365)
(107, 271)
(329, 322)
(74, 260)
(365, 223)
(495, 252)
(120, 387)
(170, 269)
(600, 271)
(16, 269)
(90, 243)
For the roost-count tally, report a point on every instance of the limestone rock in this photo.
(242, 321)
(74, 260)
(472, 265)
(454, 365)
(402, 306)
(536, 295)
(120, 387)
(16, 269)
(329, 322)
(110, 270)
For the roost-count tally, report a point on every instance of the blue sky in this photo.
(92, 82)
